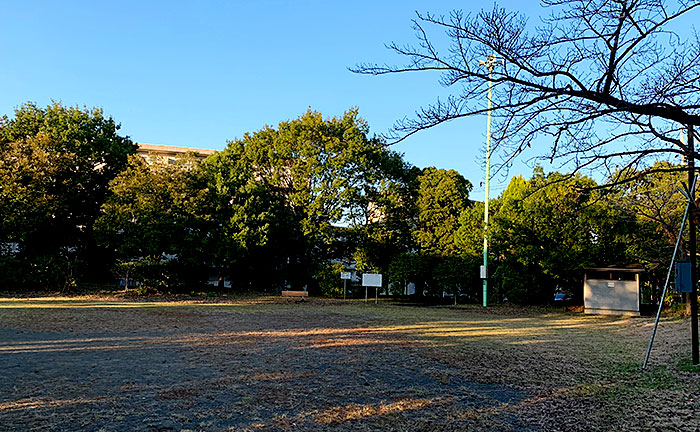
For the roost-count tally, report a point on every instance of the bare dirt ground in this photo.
(110, 364)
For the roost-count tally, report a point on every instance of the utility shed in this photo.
(612, 290)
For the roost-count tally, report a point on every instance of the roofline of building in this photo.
(617, 269)
(155, 148)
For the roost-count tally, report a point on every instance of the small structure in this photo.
(612, 290)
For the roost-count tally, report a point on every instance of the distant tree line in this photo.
(292, 206)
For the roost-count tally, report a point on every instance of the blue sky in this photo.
(197, 74)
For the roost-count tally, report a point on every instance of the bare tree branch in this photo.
(600, 80)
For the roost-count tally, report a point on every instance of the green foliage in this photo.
(126, 270)
(152, 274)
(55, 167)
(435, 274)
(86, 133)
(314, 174)
(246, 217)
(469, 238)
(391, 220)
(546, 230)
(328, 278)
(54, 271)
(322, 168)
(34, 198)
(442, 198)
(279, 206)
(435, 259)
(457, 275)
(410, 267)
(157, 216)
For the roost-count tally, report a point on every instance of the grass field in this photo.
(116, 364)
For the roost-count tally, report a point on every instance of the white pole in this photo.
(489, 63)
(486, 198)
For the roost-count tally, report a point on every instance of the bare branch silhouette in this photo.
(604, 83)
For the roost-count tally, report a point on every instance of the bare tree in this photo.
(610, 83)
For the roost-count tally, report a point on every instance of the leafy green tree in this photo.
(249, 221)
(470, 233)
(546, 230)
(33, 178)
(442, 198)
(434, 259)
(458, 275)
(158, 217)
(325, 173)
(55, 167)
(392, 219)
(328, 277)
(410, 267)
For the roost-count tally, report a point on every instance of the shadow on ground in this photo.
(297, 369)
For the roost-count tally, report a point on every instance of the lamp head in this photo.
(491, 61)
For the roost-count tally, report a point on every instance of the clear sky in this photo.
(199, 73)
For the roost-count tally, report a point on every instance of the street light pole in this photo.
(489, 63)
(693, 248)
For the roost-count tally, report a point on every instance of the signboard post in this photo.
(372, 280)
(345, 276)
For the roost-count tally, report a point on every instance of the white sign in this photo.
(345, 275)
(482, 272)
(611, 284)
(371, 279)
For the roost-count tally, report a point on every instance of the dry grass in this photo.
(340, 414)
(271, 364)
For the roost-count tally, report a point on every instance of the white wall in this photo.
(602, 296)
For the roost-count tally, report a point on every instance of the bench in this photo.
(295, 294)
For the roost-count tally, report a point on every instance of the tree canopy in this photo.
(319, 176)
(442, 198)
(296, 204)
(55, 167)
(549, 228)
(157, 217)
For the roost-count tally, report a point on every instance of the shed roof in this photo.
(632, 268)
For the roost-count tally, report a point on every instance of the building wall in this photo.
(168, 154)
(611, 297)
